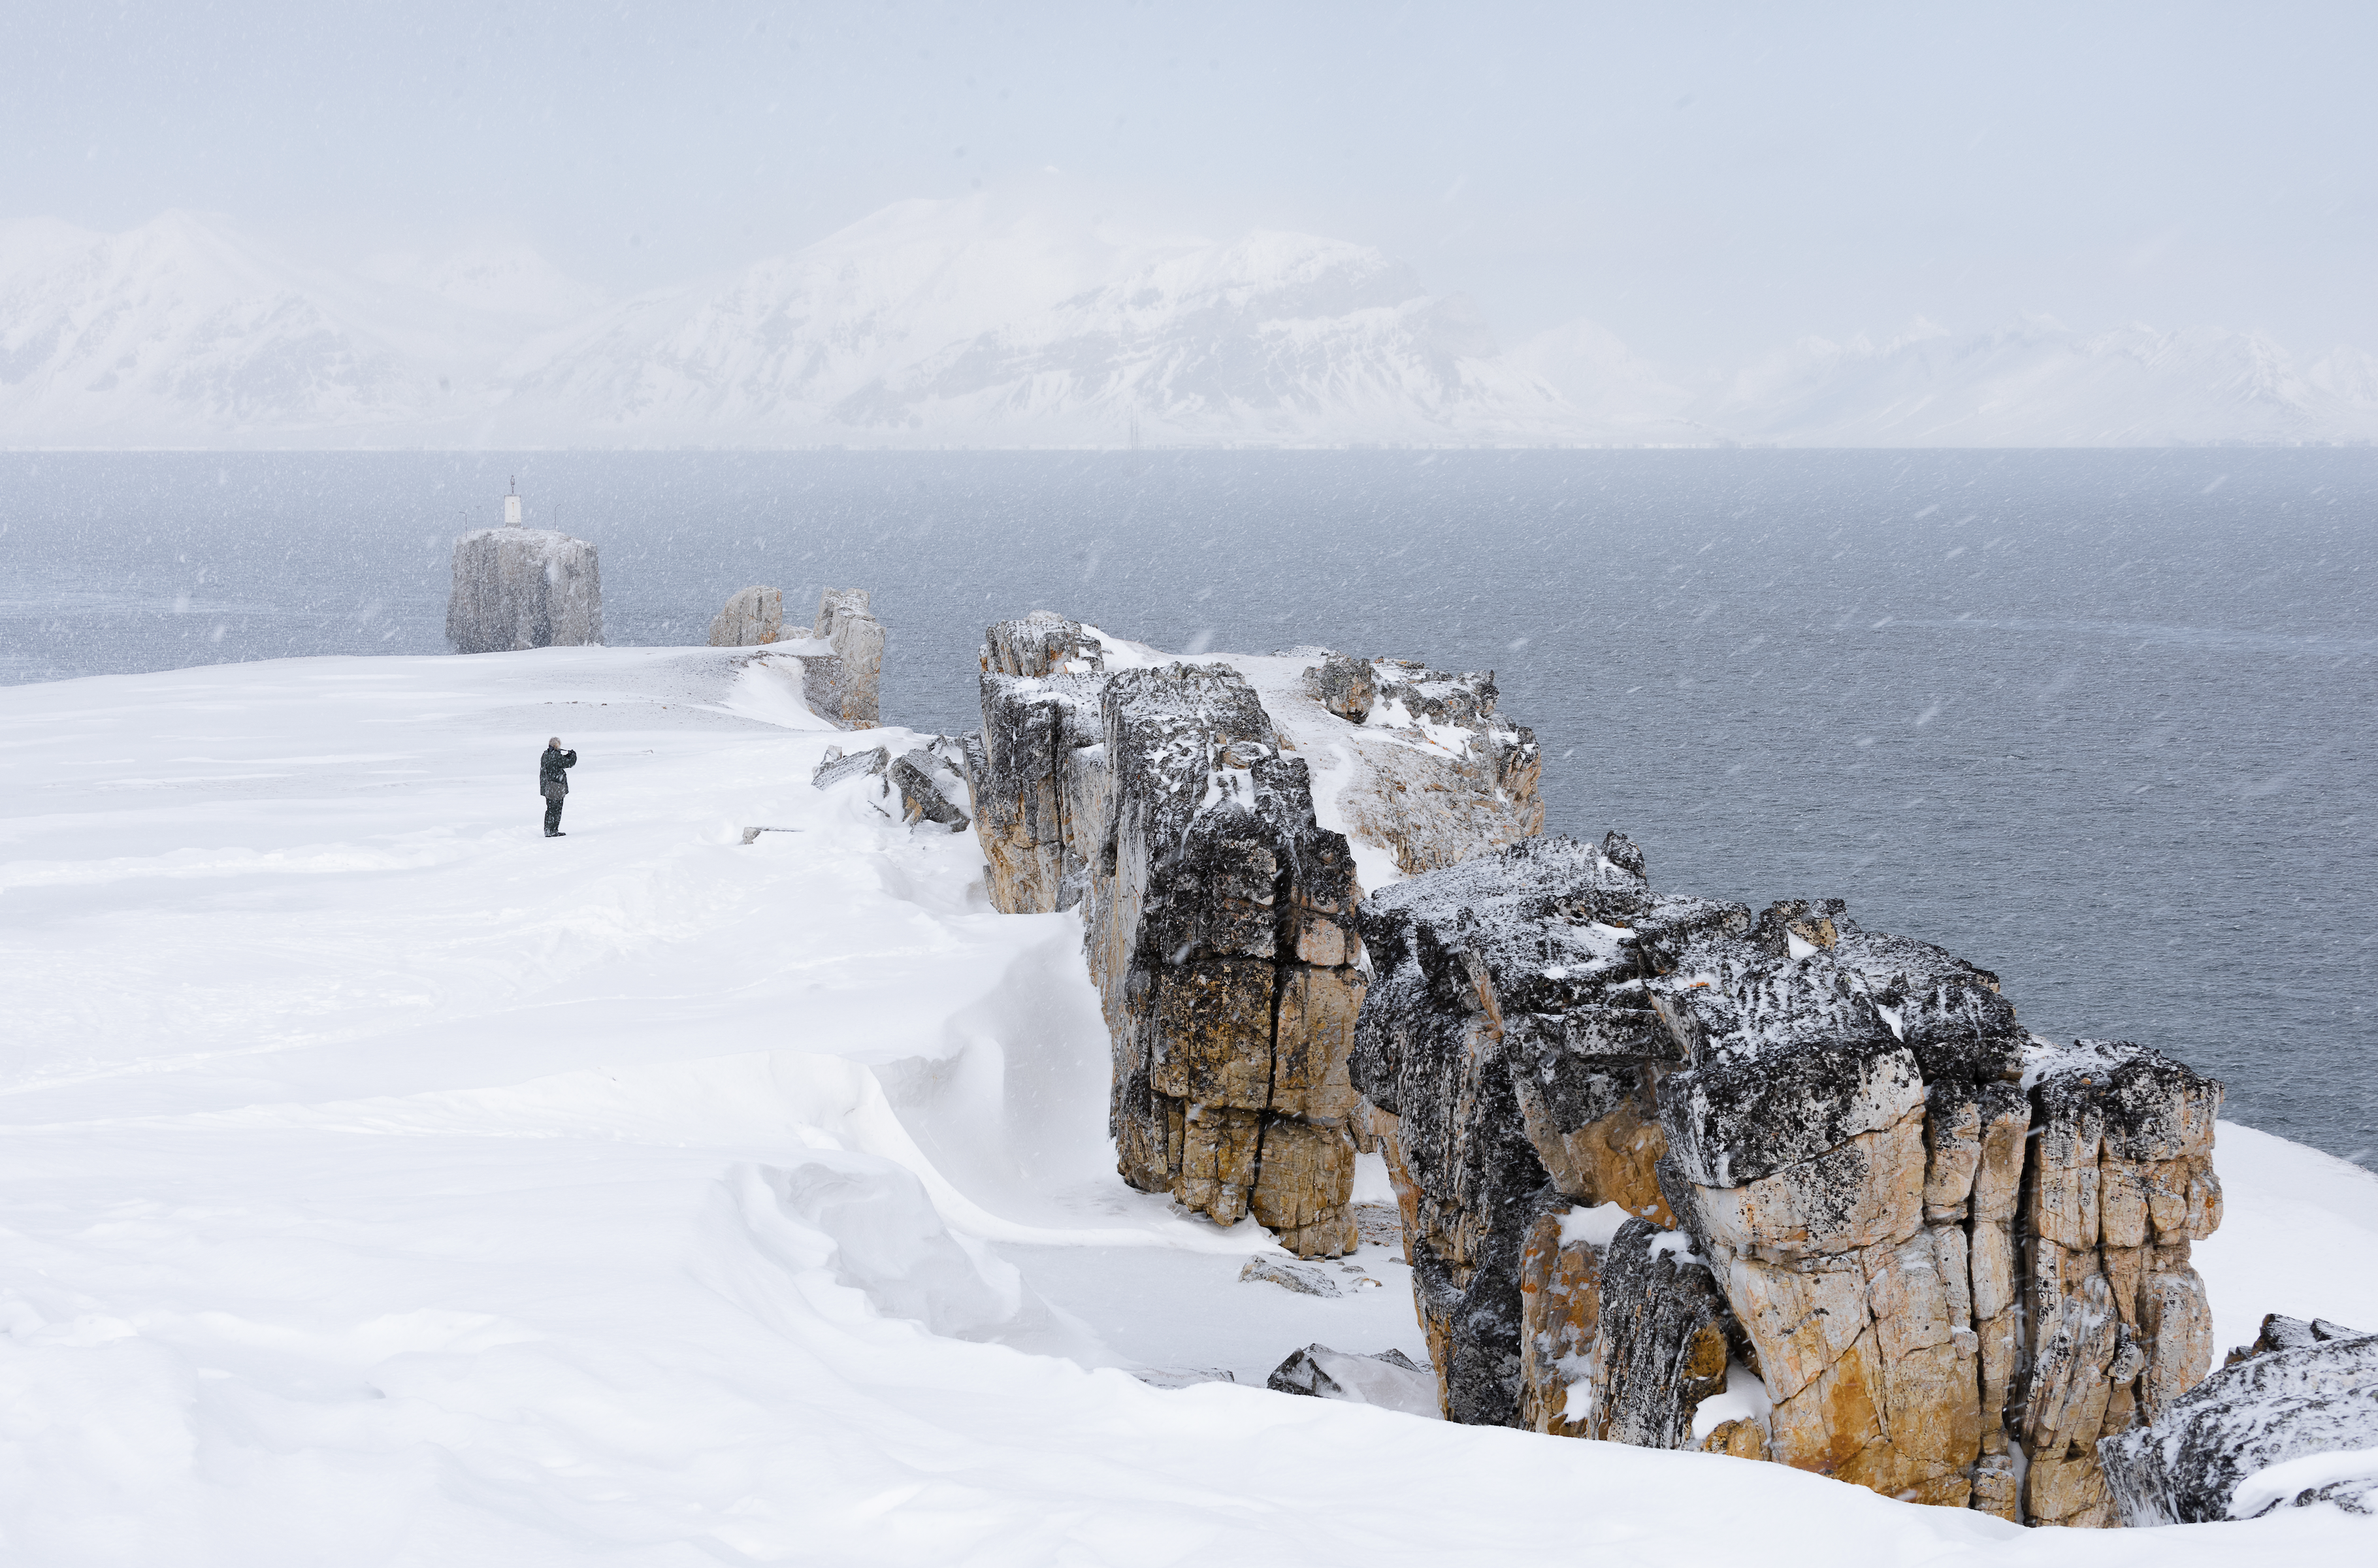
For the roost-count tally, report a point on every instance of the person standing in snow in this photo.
(553, 783)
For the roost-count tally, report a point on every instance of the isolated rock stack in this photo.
(1218, 918)
(518, 587)
(1823, 1200)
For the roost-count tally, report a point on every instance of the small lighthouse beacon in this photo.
(511, 507)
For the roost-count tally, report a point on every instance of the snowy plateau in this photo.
(386, 1184)
(971, 323)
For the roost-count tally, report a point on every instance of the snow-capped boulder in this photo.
(931, 779)
(1389, 1379)
(2294, 1422)
(752, 618)
(518, 587)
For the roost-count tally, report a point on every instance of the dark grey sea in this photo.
(2100, 721)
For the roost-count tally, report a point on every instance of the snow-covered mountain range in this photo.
(967, 323)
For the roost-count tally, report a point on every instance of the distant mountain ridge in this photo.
(964, 323)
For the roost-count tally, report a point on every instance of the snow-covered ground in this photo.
(383, 1183)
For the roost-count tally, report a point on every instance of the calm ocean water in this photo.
(2099, 721)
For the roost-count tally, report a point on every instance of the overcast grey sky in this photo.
(1706, 180)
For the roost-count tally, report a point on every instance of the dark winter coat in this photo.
(551, 781)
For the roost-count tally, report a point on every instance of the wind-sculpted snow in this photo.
(385, 1183)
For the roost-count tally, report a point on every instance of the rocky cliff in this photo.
(518, 587)
(1651, 1150)
(1218, 917)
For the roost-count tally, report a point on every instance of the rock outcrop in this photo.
(1040, 776)
(1217, 918)
(931, 781)
(2120, 1182)
(2291, 1421)
(1389, 1379)
(1220, 930)
(518, 587)
(1441, 777)
(1860, 1188)
(1509, 1056)
(854, 637)
(752, 618)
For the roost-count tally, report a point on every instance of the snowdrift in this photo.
(383, 1183)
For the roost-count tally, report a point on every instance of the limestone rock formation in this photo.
(2120, 1182)
(2293, 1421)
(1219, 920)
(1389, 1379)
(1862, 1189)
(1218, 917)
(856, 638)
(1042, 642)
(1509, 1056)
(752, 618)
(1441, 777)
(518, 587)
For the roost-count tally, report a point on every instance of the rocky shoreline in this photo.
(1671, 1172)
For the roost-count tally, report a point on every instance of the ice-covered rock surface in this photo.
(523, 588)
(387, 1183)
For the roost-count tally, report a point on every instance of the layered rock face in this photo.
(2290, 1421)
(518, 587)
(1825, 1136)
(1509, 1058)
(2120, 1182)
(752, 618)
(1442, 777)
(1217, 918)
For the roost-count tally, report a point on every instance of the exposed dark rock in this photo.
(2292, 1333)
(1438, 775)
(1510, 1057)
(1042, 642)
(1219, 931)
(1039, 788)
(1217, 918)
(1660, 1345)
(837, 767)
(2286, 1427)
(2118, 1183)
(1390, 1379)
(931, 779)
